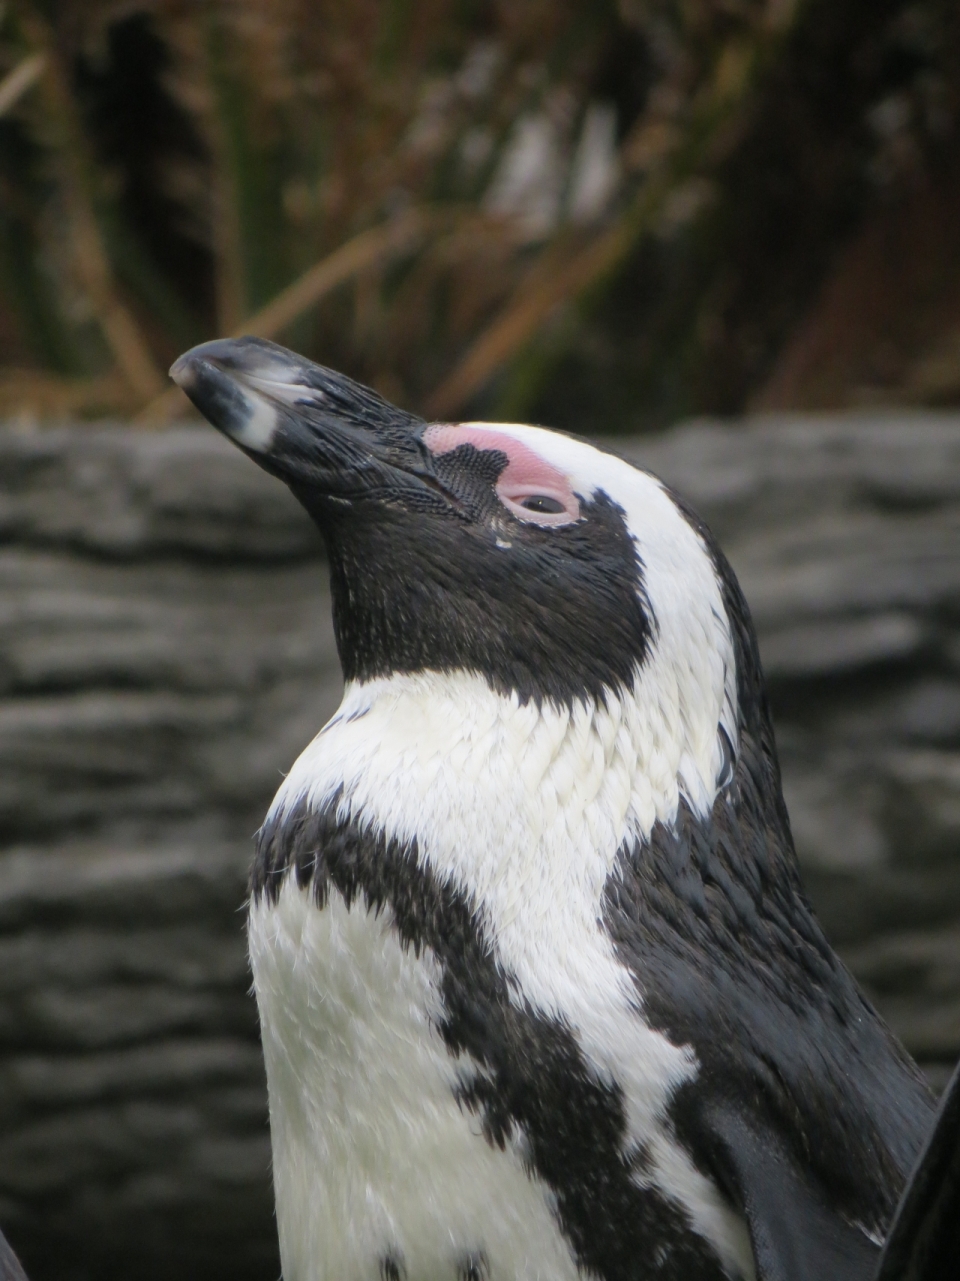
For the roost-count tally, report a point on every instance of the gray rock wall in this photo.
(165, 652)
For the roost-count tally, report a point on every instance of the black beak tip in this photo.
(212, 375)
(231, 355)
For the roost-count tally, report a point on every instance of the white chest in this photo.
(373, 1156)
(523, 812)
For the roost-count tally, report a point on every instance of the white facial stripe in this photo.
(372, 1152)
(290, 393)
(577, 460)
(260, 391)
(258, 431)
(691, 672)
(525, 810)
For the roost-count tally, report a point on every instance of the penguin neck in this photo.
(425, 756)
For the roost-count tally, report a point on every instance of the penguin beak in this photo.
(322, 433)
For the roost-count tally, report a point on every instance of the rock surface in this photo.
(165, 652)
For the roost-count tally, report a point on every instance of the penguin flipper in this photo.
(795, 1234)
(10, 1268)
(923, 1243)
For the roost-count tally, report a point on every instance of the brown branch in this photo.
(670, 154)
(354, 255)
(120, 329)
(16, 82)
(528, 309)
(362, 251)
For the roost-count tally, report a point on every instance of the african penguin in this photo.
(541, 996)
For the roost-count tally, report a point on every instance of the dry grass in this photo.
(396, 188)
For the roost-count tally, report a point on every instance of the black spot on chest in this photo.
(530, 1084)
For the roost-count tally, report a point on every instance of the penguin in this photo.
(540, 992)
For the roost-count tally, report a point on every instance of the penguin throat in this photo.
(446, 748)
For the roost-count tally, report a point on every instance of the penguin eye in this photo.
(542, 503)
(539, 507)
(530, 487)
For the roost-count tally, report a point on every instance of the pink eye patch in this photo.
(531, 488)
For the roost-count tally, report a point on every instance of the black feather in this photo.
(924, 1241)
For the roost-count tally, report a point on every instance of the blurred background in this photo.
(723, 233)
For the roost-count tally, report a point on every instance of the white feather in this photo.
(372, 1155)
(258, 429)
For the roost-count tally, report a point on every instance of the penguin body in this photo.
(540, 992)
(520, 1021)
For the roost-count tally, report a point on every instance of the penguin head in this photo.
(552, 569)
